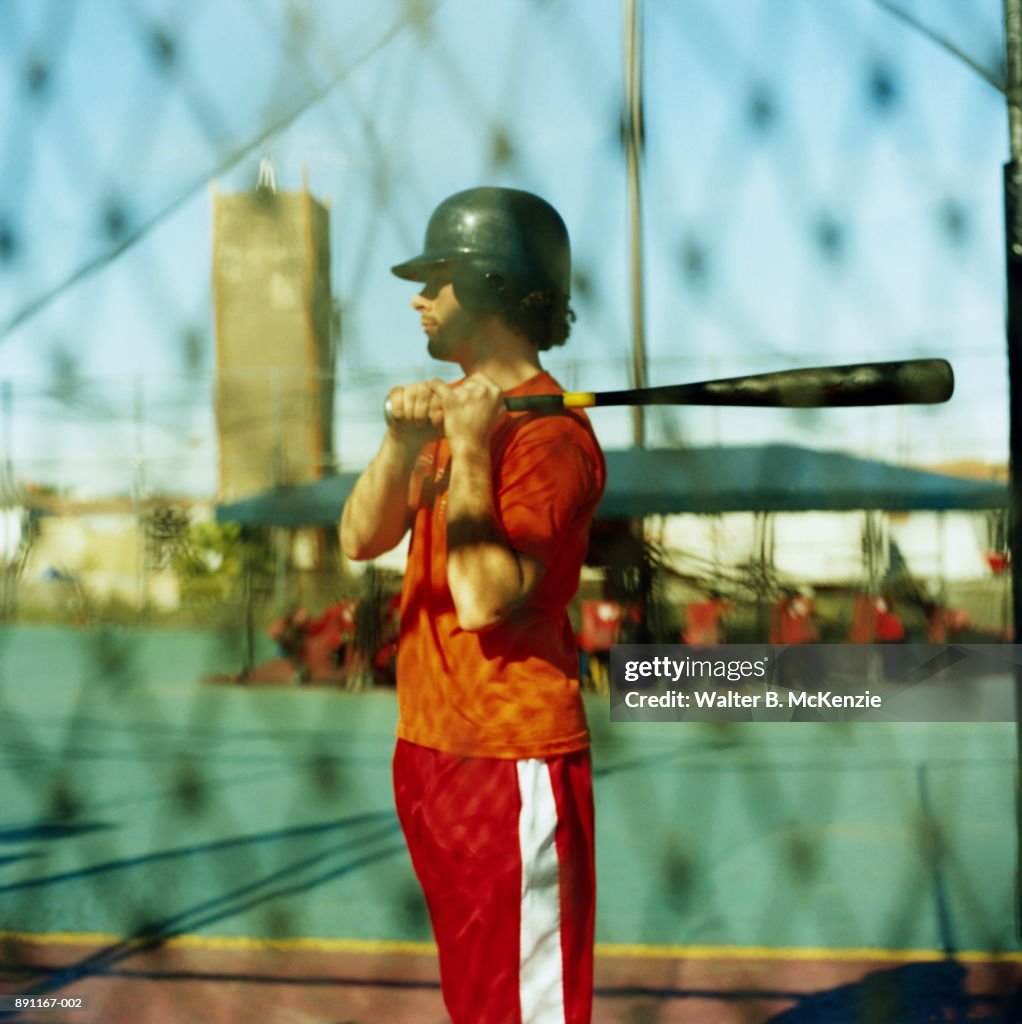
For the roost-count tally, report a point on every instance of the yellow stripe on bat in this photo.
(579, 399)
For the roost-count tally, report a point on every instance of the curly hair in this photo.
(545, 318)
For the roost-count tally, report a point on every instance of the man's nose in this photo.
(419, 301)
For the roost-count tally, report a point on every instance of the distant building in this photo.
(275, 351)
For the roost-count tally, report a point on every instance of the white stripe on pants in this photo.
(541, 977)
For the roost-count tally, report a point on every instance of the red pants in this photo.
(504, 853)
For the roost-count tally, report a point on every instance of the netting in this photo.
(817, 189)
(821, 185)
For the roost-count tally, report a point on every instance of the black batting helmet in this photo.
(501, 244)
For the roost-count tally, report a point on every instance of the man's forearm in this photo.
(375, 515)
(484, 573)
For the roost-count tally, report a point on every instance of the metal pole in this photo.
(280, 478)
(7, 502)
(7, 400)
(1013, 266)
(634, 131)
(138, 493)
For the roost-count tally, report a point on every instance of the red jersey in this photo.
(511, 691)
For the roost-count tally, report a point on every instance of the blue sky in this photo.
(822, 185)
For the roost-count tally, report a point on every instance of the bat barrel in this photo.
(905, 382)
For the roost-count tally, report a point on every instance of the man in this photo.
(491, 769)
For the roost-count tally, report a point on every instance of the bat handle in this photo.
(513, 403)
(551, 403)
(529, 403)
(534, 403)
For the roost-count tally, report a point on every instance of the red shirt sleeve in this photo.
(548, 479)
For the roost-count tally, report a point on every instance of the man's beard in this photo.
(446, 341)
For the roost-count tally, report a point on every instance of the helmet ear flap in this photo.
(480, 291)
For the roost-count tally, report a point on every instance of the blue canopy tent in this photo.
(313, 504)
(642, 481)
(778, 478)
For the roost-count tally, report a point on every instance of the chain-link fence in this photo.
(821, 184)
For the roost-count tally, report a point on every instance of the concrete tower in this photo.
(275, 353)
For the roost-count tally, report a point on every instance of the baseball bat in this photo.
(902, 382)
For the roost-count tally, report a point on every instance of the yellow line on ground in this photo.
(635, 951)
(645, 952)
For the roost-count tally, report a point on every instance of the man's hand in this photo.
(471, 411)
(415, 411)
(376, 515)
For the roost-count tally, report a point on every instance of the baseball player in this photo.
(491, 769)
